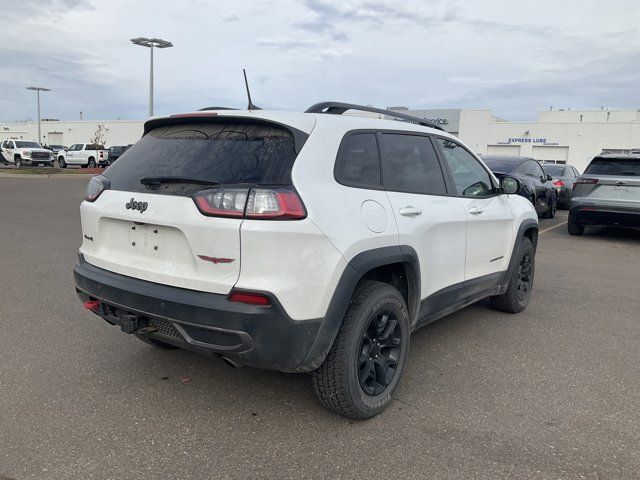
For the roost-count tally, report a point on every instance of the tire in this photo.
(358, 378)
(17, 161)
(156, 343)
(91, 163)
(518, 293)
(573, 226)
(551, 212)
(61, 162)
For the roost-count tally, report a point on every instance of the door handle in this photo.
(475, 211)
(410, 211)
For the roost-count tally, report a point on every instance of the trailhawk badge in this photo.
(133, 205)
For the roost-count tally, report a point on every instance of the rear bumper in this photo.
(259, 336)
(593, 215)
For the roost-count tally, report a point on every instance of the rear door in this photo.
(147, 224)
(429, 220)
(490, 228)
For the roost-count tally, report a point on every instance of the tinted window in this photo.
(501, 165)
(358, 163)
(27, 145)
(519, 170)
(530, 169)
(556, 170)
(224, 153)
(620, 167)
(411, 165)
(470, 177)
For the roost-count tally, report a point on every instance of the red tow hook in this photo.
(92, 305)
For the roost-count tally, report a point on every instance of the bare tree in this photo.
(99, 135)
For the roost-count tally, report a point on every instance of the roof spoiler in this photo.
(338, 108)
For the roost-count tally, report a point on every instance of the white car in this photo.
(21, 153)
(83, 154)
(302, 242)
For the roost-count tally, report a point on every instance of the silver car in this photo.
(607, 194)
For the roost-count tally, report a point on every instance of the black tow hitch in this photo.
(134, 323)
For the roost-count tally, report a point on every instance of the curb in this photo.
(46, 175)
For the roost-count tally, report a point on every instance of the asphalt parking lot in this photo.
(550, 393)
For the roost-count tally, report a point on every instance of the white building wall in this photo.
(118, 132)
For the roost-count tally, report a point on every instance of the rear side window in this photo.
(220, 153)
(411, 165)
(358, 162)
(614, 166)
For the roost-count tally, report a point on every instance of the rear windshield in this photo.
(500, 165)
(619, 167)
(554, 170)
(221, 153)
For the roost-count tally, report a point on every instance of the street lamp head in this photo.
(151, 42)
(39, 89)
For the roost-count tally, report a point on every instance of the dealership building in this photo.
(562, 136)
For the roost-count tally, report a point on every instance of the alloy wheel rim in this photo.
(524, 277)
(379, 352)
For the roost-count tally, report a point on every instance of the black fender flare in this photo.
(352, 274)
(527, 224)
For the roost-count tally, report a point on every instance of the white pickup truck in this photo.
(21, 153)
(83, 154)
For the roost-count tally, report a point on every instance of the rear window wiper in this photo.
(160, 180)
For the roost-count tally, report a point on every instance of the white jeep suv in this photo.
(301, 242)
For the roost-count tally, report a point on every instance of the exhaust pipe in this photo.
(231, 363)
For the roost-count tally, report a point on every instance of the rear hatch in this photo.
(146, 224)
(610, 181)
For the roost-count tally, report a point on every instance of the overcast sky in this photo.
(513, 57)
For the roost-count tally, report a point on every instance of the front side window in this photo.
(530, 169)
(411, 165)
(469, 176)
(358, 162)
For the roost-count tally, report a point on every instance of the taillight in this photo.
(92, 305)
(559, 183)
(95, 187)
(585, 181)
(222, 202)
(256, 203)
(251, 298)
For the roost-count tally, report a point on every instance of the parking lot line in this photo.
(551, 228)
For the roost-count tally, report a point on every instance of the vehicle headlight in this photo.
(26, 153)
(50, 155)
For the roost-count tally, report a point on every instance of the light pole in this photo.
(38, 90)
(151, 43)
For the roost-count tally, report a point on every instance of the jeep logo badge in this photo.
(133, 205)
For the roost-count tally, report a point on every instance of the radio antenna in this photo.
(251, 106)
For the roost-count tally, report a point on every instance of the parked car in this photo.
(22, 153)
(301, 242)
(116, 151)
(56, 149)
(535, 183)
(563, 178)
(607, 194)
(83, 154)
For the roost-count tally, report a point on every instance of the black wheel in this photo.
(17, 161)
(365, 363)
(92, 163)
(573, 226)
(156, 343)
(551, 212)
(518, 293)
(61, 162)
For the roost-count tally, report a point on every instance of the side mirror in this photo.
(549, 178)
(509, 185)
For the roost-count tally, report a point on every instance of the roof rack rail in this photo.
(338, 108)
(216, 108)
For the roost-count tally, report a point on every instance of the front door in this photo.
(490, 228)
